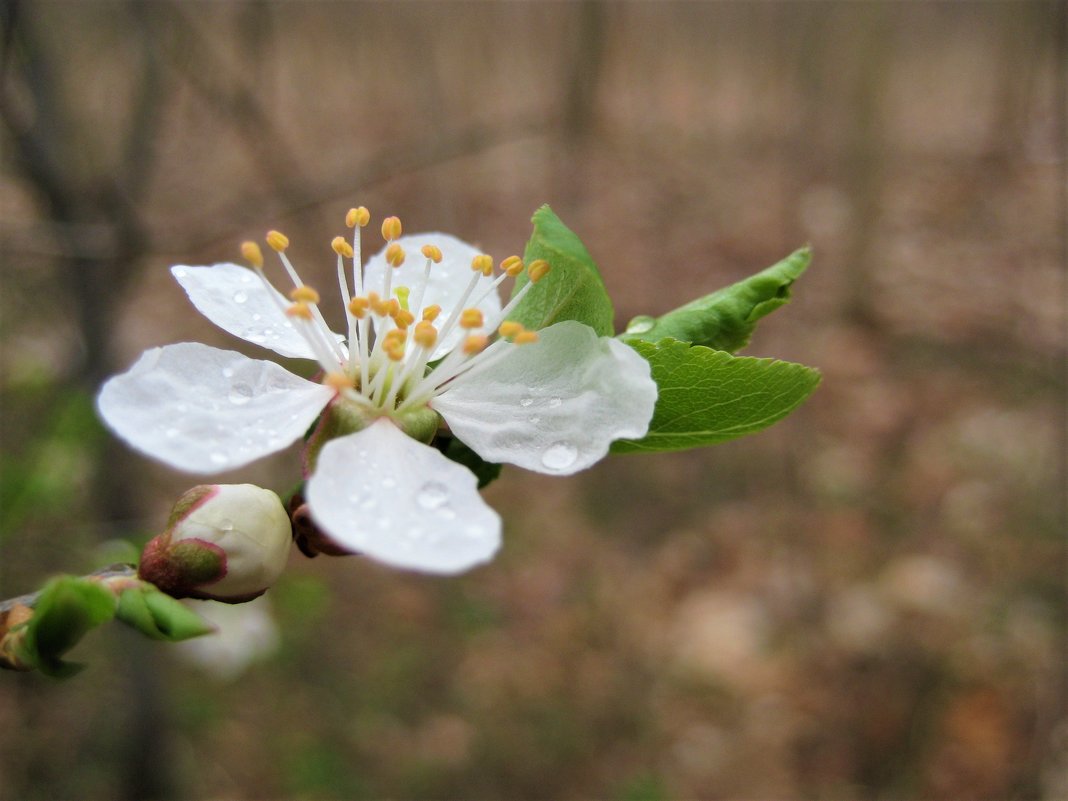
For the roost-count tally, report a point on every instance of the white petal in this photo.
(382, 494)
(206, 410)
(235, 299)
(553, 406)
(448, 280)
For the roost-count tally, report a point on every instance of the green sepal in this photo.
(725, 320)
(573, 289)
(67, 608)
(708, 396)
(486, 472)
(159, 616)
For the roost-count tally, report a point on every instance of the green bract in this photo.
(708, 396)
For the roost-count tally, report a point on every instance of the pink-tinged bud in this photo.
(224, 542)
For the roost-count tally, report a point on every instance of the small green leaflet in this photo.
(66, 609)
(159, 616)
(708, 396)
(725, 319)
(573, 289)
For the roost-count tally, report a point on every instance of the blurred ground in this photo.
(866, 601)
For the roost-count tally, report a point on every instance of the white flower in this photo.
(427, 340)
(245, 634)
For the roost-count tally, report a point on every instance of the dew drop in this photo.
(240, 296)
(257, 317)
(388, 483)
(535, 419)
(219, 458)
(554, 402)
(415, 534)
(228, 372)
(525, 401)
(559, 455)
(432, 495)
(369, 503)
(179, 272)
(226, 524)
(171, 433)
(255, 336)
(474, 532)
(641, 324)
(246, 279)
(240, 394)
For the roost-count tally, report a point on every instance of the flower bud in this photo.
(224, 542)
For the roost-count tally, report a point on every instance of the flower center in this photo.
(389, 364)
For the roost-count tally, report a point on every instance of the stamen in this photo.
(432, 252)
(395, 255)
(475, 343)
(358, 216)
(431, 312)
(277, 241)
(304, 294)
(538, 269)
(509, 329)
(341, 247)
(512, 266)
(426, 335)
(526, 338)
(337, 381)
(391, 228)
(403, 318)
(482, 264)
(251, 252)
(471, 318)
(300, 309)
(358, 307)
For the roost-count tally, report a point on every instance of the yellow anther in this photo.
(512, 266)
(432, 252)
(426, 335)
(402, 293)
(378, 306)
(337, 381)
(358, 216)
(526, 338)
(431, 312)
(395, 351)
(537, 269)
(403, 318)
(510, 328)
(471, 318)
(341, 247)
(358, 306)
(392, 307)
(304, 294)
(391, 228)
(475, 343)
(301, 310)
(251, 253)
(482, 264)
(276, 240)
(395, 254)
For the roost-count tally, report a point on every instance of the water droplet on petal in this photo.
(219, 458)
(257, 317)
(474, 532)
(255, 336)
(240, 296)
(554, 402)
(432, 495)
(171, 433)
(228, 372)
(559, 456)
(534, 419)
(246, 279)
(388, 483)
(369, 503)
(179, 273)
(226, 524)
(240, 394)
(525, 401)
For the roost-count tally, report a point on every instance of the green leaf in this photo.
(725, 319)
(573, 289)
(67, 608)
(159, 616)
(708, 396)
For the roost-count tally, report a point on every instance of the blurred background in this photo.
(865, 601)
